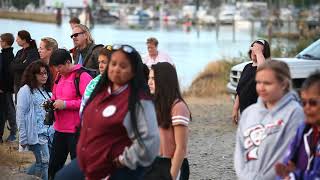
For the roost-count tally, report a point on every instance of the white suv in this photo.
(306, 62)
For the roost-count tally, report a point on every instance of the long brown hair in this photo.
(167, 92)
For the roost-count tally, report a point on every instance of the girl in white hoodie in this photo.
(266, 127)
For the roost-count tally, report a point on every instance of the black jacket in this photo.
(6, 76)
(22, 59)
(89, 54)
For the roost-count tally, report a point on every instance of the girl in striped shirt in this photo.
(173, 117)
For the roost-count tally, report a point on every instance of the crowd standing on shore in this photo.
(121, 116)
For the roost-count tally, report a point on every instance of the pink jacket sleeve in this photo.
(85, 78)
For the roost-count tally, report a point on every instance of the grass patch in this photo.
(37, 17)
(9, 155)
(212, 81)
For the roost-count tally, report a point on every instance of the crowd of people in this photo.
(122, 116)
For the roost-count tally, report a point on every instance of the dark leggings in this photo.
(62, 145)
(160, 170)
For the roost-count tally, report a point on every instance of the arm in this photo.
(74, 104)
(23, 101)
(137, 154)
(239, 153)
(235, 110)
(181, 140)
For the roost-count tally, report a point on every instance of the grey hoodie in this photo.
(263, 136)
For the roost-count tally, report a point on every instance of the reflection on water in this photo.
(191, 50)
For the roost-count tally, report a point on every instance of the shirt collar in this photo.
(118, 91)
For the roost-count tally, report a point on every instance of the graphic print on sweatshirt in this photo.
(255, 135)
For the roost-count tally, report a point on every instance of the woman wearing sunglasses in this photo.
(103, 59)
(246, 89)
(267, 127)
(173, 117)
(303, 160)
(119, 134)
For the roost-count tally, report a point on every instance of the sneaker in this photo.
(11, 138)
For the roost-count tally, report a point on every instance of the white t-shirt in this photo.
(162, 57)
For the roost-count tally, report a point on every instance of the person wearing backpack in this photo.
(85, 52)
(66, 105)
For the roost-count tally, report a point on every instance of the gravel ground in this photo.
(211, 142)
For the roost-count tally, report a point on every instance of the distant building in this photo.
(67, 3)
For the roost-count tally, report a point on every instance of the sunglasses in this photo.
(43, 73)
(76, 34)
(125, 48)
(311, 102)
(260, 40)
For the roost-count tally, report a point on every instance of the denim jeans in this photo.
(40, 167)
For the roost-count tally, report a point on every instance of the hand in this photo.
(23, 145)
(257, 49)
(58, 104)
(235, 116)
(282, 170)
(118, 162)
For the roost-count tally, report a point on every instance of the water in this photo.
(191, 51)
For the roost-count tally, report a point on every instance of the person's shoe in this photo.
(11, 138)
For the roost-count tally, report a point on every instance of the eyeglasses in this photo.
(125, 48)
(43, 73)
(76, 34)
(311, 102)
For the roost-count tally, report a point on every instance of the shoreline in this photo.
(29, 16)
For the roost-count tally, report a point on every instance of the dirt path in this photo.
(211, 144)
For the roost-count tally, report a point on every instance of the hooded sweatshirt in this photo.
(263, 136)
(68, 119)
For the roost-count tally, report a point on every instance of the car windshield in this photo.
(312, 52)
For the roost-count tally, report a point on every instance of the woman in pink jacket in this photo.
(66, 105)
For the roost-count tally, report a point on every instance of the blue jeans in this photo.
(72, 171)
(40, 167)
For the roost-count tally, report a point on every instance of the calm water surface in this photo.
(191, 51)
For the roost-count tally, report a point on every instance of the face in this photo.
(253, 55)
(42, 76)
(152, 49)
(2, 43)
(151, 83)
(44, 53)
(63, 69)
(120, 71)
(72, 25)
(79, 37)
(103, 61)
(20, 41)
(268, 87)
(311, 105)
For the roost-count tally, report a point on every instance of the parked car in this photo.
(301, 66)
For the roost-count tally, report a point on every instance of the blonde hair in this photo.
(281, 71)
(87, 32)
(50, 43)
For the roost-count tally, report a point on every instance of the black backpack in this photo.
(93, 73)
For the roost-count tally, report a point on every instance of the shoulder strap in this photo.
(90, 50)
(77, 80)
(43, 94)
